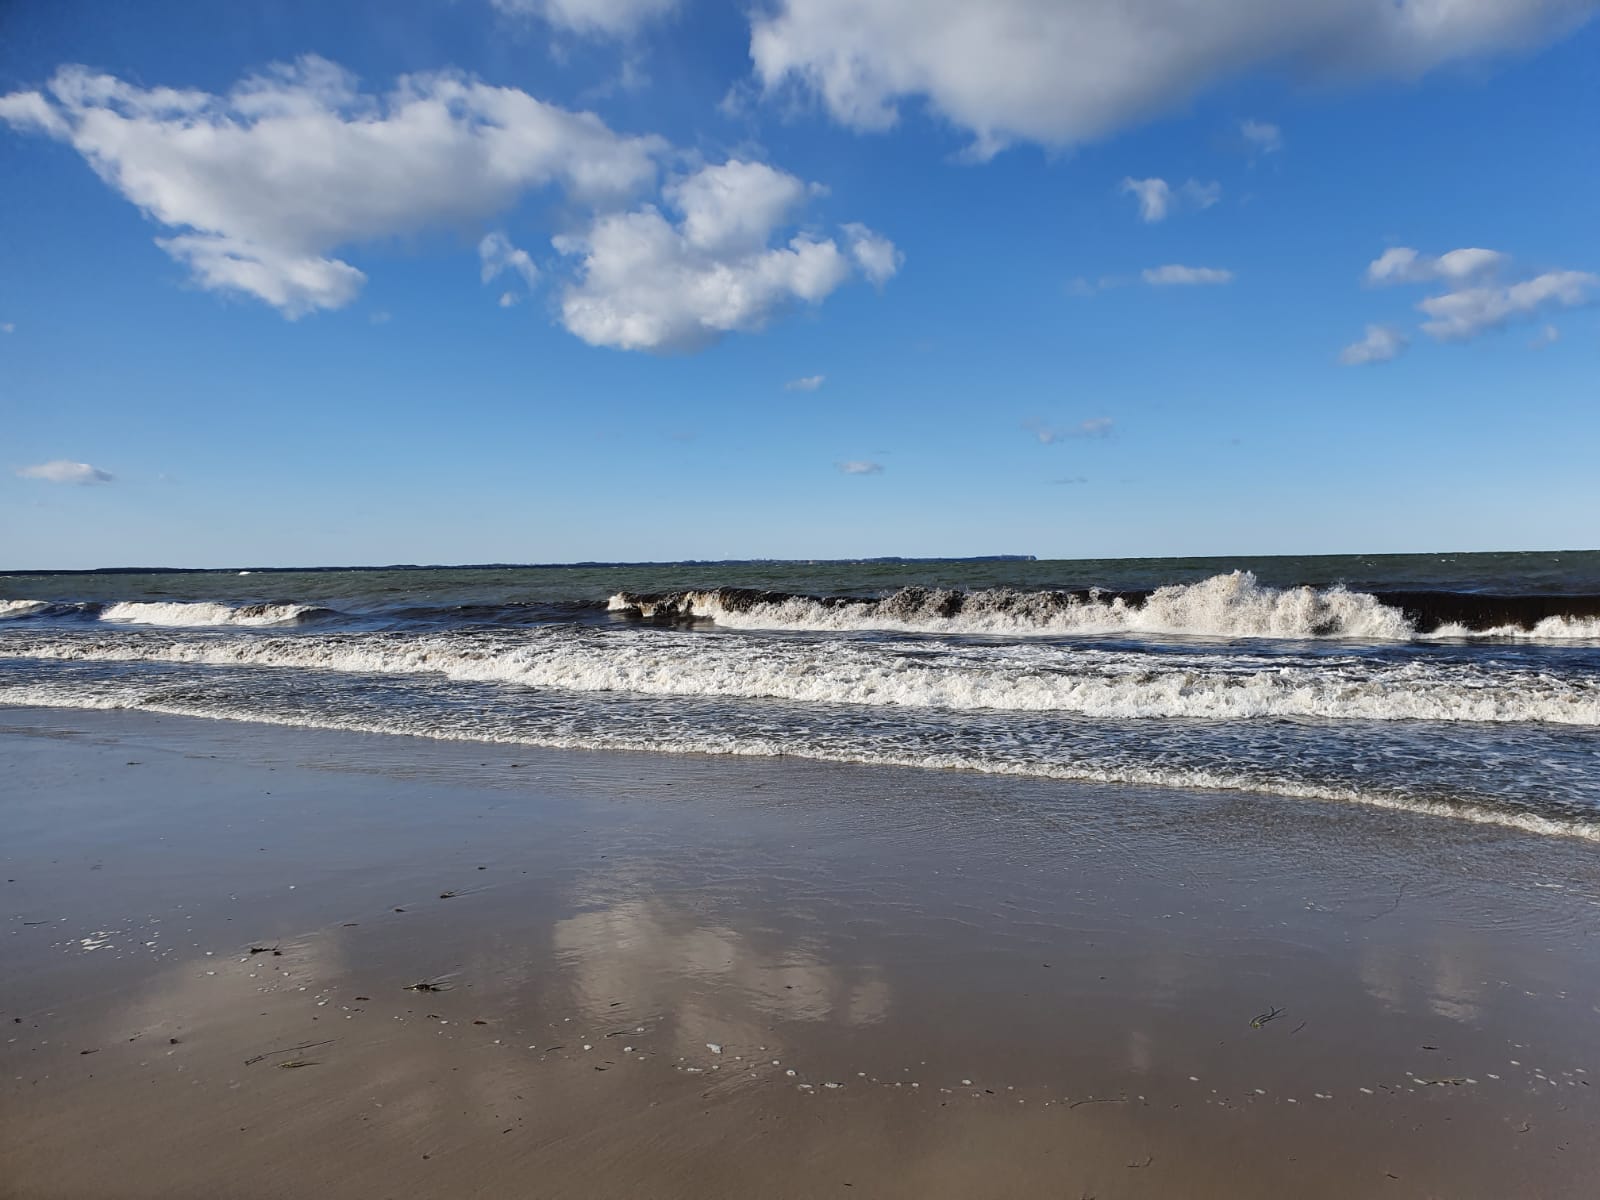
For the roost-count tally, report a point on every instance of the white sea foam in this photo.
(1235, 605)
(1026, 677)
(728, 743)
(196, 613)
(21, 608)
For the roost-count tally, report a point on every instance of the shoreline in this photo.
(1099, 961)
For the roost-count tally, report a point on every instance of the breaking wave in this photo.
(196, 613)
(1023, 677)
(1235, 605)
(22, 608)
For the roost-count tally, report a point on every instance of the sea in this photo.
(1462, 686)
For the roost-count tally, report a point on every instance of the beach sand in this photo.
(698, 977)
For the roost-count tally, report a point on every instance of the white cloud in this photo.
(594, 18)
(265, 183)
(1479, 299)
(860, 466)
(1381, 343)
(62, 470)
(8, 327)
(1401, 264)
(1263, 136)
(733, 207)
(806, 383)
(294, 284)
(265, 186)
(1462, 314)
(1174, 273)
(1548, 336)
(1093, 427)
(1058, 72)
(648, 283)
(1157, 198)
(498, 255)
(874, 254)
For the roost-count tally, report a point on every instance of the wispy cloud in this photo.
(591, 18)
(1093, 427)
(806, 383)
(63, 470)
(1548, 336)
(1175, 274)
(860, 466)
(8, 327)
(1381, 343)
(1090, 287)
(497, 255)
(1154, 196)
(1263, 137)
(1158, 199)
(1070, 480)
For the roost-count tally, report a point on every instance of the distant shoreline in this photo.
(512, 566)
(1224, 561)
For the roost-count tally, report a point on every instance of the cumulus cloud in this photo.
(1176, 274)
(592, 18)
(1462, 314)
(1157, 198)
(1057, 72)
(648, 282)
(262, 185)
(874, 254)
(1381, 343)
(1093, 427)
(63, 470)
(1480, 297)
(265, 186)
(860, 466)
(1261, 136)
(806, 383)
(1401, 264)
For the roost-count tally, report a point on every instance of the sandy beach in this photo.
(652, 976)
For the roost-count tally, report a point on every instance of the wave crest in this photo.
(201, 612)
(1235, 605)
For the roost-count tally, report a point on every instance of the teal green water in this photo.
(1546, 573)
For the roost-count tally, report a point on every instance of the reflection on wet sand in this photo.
(758, 994)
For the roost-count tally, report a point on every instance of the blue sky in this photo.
(361, 283)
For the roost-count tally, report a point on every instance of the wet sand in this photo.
(696, 977)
